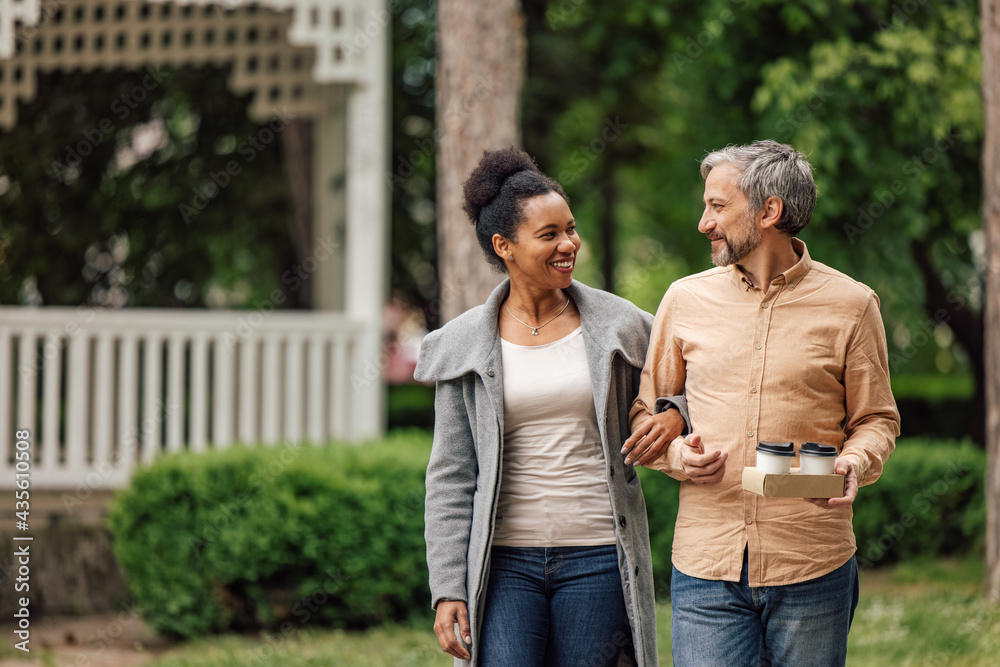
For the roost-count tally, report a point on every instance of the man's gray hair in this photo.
(769, 169)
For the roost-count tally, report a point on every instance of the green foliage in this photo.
(276, 537)
(411, 405)
(883, 97)
(932, 387)
(661, 494)
(110, 195)
(929, 501)
(280, 538)
(414, 156)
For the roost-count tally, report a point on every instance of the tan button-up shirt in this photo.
(804, 361)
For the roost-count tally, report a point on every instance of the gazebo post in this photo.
(367, 221)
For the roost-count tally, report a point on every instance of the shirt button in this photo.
(753, 390)
(749, 521)
(489, 371)
(763, 305)
(757, 346)
(750, 434)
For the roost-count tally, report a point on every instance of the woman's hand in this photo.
(450, 612)
(650, 441)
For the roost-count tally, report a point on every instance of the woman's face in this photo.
(546, 244)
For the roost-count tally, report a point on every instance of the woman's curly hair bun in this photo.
(485, 181)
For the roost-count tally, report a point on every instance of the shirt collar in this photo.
(792, 277)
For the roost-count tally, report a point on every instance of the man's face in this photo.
(728, 221)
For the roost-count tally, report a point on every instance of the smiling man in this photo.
(769, 345)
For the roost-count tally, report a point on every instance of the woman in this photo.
(537, 542)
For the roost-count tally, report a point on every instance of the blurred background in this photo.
(619, 103)
(250, 210)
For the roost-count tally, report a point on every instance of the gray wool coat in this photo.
(463, 476)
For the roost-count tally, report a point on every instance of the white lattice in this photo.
(282, 50)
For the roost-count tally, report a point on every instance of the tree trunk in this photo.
(991, 224)
(481, 56)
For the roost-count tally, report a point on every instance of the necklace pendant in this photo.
(534, 332)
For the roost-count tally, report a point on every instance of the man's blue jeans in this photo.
(732, 624)
(554, 606)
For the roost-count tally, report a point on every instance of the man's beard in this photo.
(740, 245)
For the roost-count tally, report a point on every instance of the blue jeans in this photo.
(800, 625)
(559, 606)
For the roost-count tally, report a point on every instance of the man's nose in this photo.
(706, 223)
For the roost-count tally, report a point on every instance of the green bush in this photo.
(269, 537)
(661, 493)
(930, 500)
(410, 406)
(265, 537)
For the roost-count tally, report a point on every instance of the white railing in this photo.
(103, 391)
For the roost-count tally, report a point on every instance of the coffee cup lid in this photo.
(816, 449)
(776, 448)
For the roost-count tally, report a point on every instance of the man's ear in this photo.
(771, 212)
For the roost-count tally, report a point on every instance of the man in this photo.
(770, 345)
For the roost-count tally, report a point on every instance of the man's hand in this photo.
(843, 466)
(700, 467)
(651, 440)
(450, 612)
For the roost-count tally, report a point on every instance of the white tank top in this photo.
(553, 489)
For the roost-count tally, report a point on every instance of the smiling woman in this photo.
(537, 383)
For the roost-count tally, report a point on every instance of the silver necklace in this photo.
(534, 330)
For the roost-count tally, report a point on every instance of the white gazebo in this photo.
(102, 391)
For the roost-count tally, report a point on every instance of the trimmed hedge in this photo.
(278, 537)
(281, 537)
(930, 500)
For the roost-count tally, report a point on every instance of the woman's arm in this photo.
(451, 485)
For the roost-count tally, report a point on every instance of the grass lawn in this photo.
(926, 614)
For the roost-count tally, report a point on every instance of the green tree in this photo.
(114, 198)
(883, 96)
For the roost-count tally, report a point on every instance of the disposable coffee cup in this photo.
(775, 457)
(816, 459)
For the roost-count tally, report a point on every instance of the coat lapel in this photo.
(472, 344)
(601, 316)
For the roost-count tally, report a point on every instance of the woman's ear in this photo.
(502, 247)
(773, 208)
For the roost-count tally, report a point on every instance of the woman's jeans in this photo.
(732, 624)
(560, 606)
